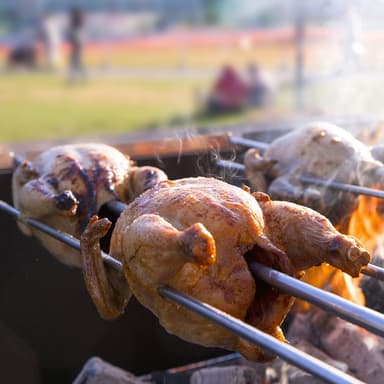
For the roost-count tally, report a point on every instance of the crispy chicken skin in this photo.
(197, 235)
(321, 150)
(192, 234)
(66, 185)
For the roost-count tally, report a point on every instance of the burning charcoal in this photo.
(280, 372)
(226, 375)
(98, 371)
(359, 349)
(337, 339)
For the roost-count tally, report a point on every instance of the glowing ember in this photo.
(367, 223)
(333, 280)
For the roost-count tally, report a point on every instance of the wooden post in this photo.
(299, 37)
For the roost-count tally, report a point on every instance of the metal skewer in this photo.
(230, 164)
(267, 342)
(362, 316)
(371, 269)
(359, 315)
(55, 233)
(356, 314)
(356, 189)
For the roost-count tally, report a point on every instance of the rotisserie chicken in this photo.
(197, 236)
(66, 185)
(321, 150)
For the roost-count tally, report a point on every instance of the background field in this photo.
(130, 87)
(159, 83)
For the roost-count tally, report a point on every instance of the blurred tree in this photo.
(211, 11)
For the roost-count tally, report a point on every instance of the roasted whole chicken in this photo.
(66, 185)
(198, 235)
(320, 150)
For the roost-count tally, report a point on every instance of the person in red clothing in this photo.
(229, 92)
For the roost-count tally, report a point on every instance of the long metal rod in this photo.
(55, 233)
(356, 189)
(269, 343)
(356, 314)
(370, 270)
(230, 164)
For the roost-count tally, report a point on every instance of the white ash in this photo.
(98, 371)
(226, 375)
(360, 350)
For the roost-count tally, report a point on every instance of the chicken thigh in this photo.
(66, 185)
(320, 150)
(197, 236)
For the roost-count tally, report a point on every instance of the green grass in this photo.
(46, 107)
(40, 107)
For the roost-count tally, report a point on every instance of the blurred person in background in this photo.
(76, 43)
(229, 92)
(51, 39)
(23, 55)
(260, 89)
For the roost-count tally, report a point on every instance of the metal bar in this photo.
(254, 335)
(375, 271)
(292, 355)
(55, 233)
(314, 180)
(356, 189)
(356, 314)
(230, 164)
(371, 269)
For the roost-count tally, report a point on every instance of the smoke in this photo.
(344, 59)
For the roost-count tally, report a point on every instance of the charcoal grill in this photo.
(47, 309)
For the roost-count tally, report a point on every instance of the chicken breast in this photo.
(321, 150)
(197, 236)
(66, 185)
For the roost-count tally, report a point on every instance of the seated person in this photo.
(260, 92)
(229, 93)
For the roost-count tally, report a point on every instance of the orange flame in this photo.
(367, 225)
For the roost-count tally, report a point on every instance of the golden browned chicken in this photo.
(66, 185)
(320, 150)
(196, 235)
